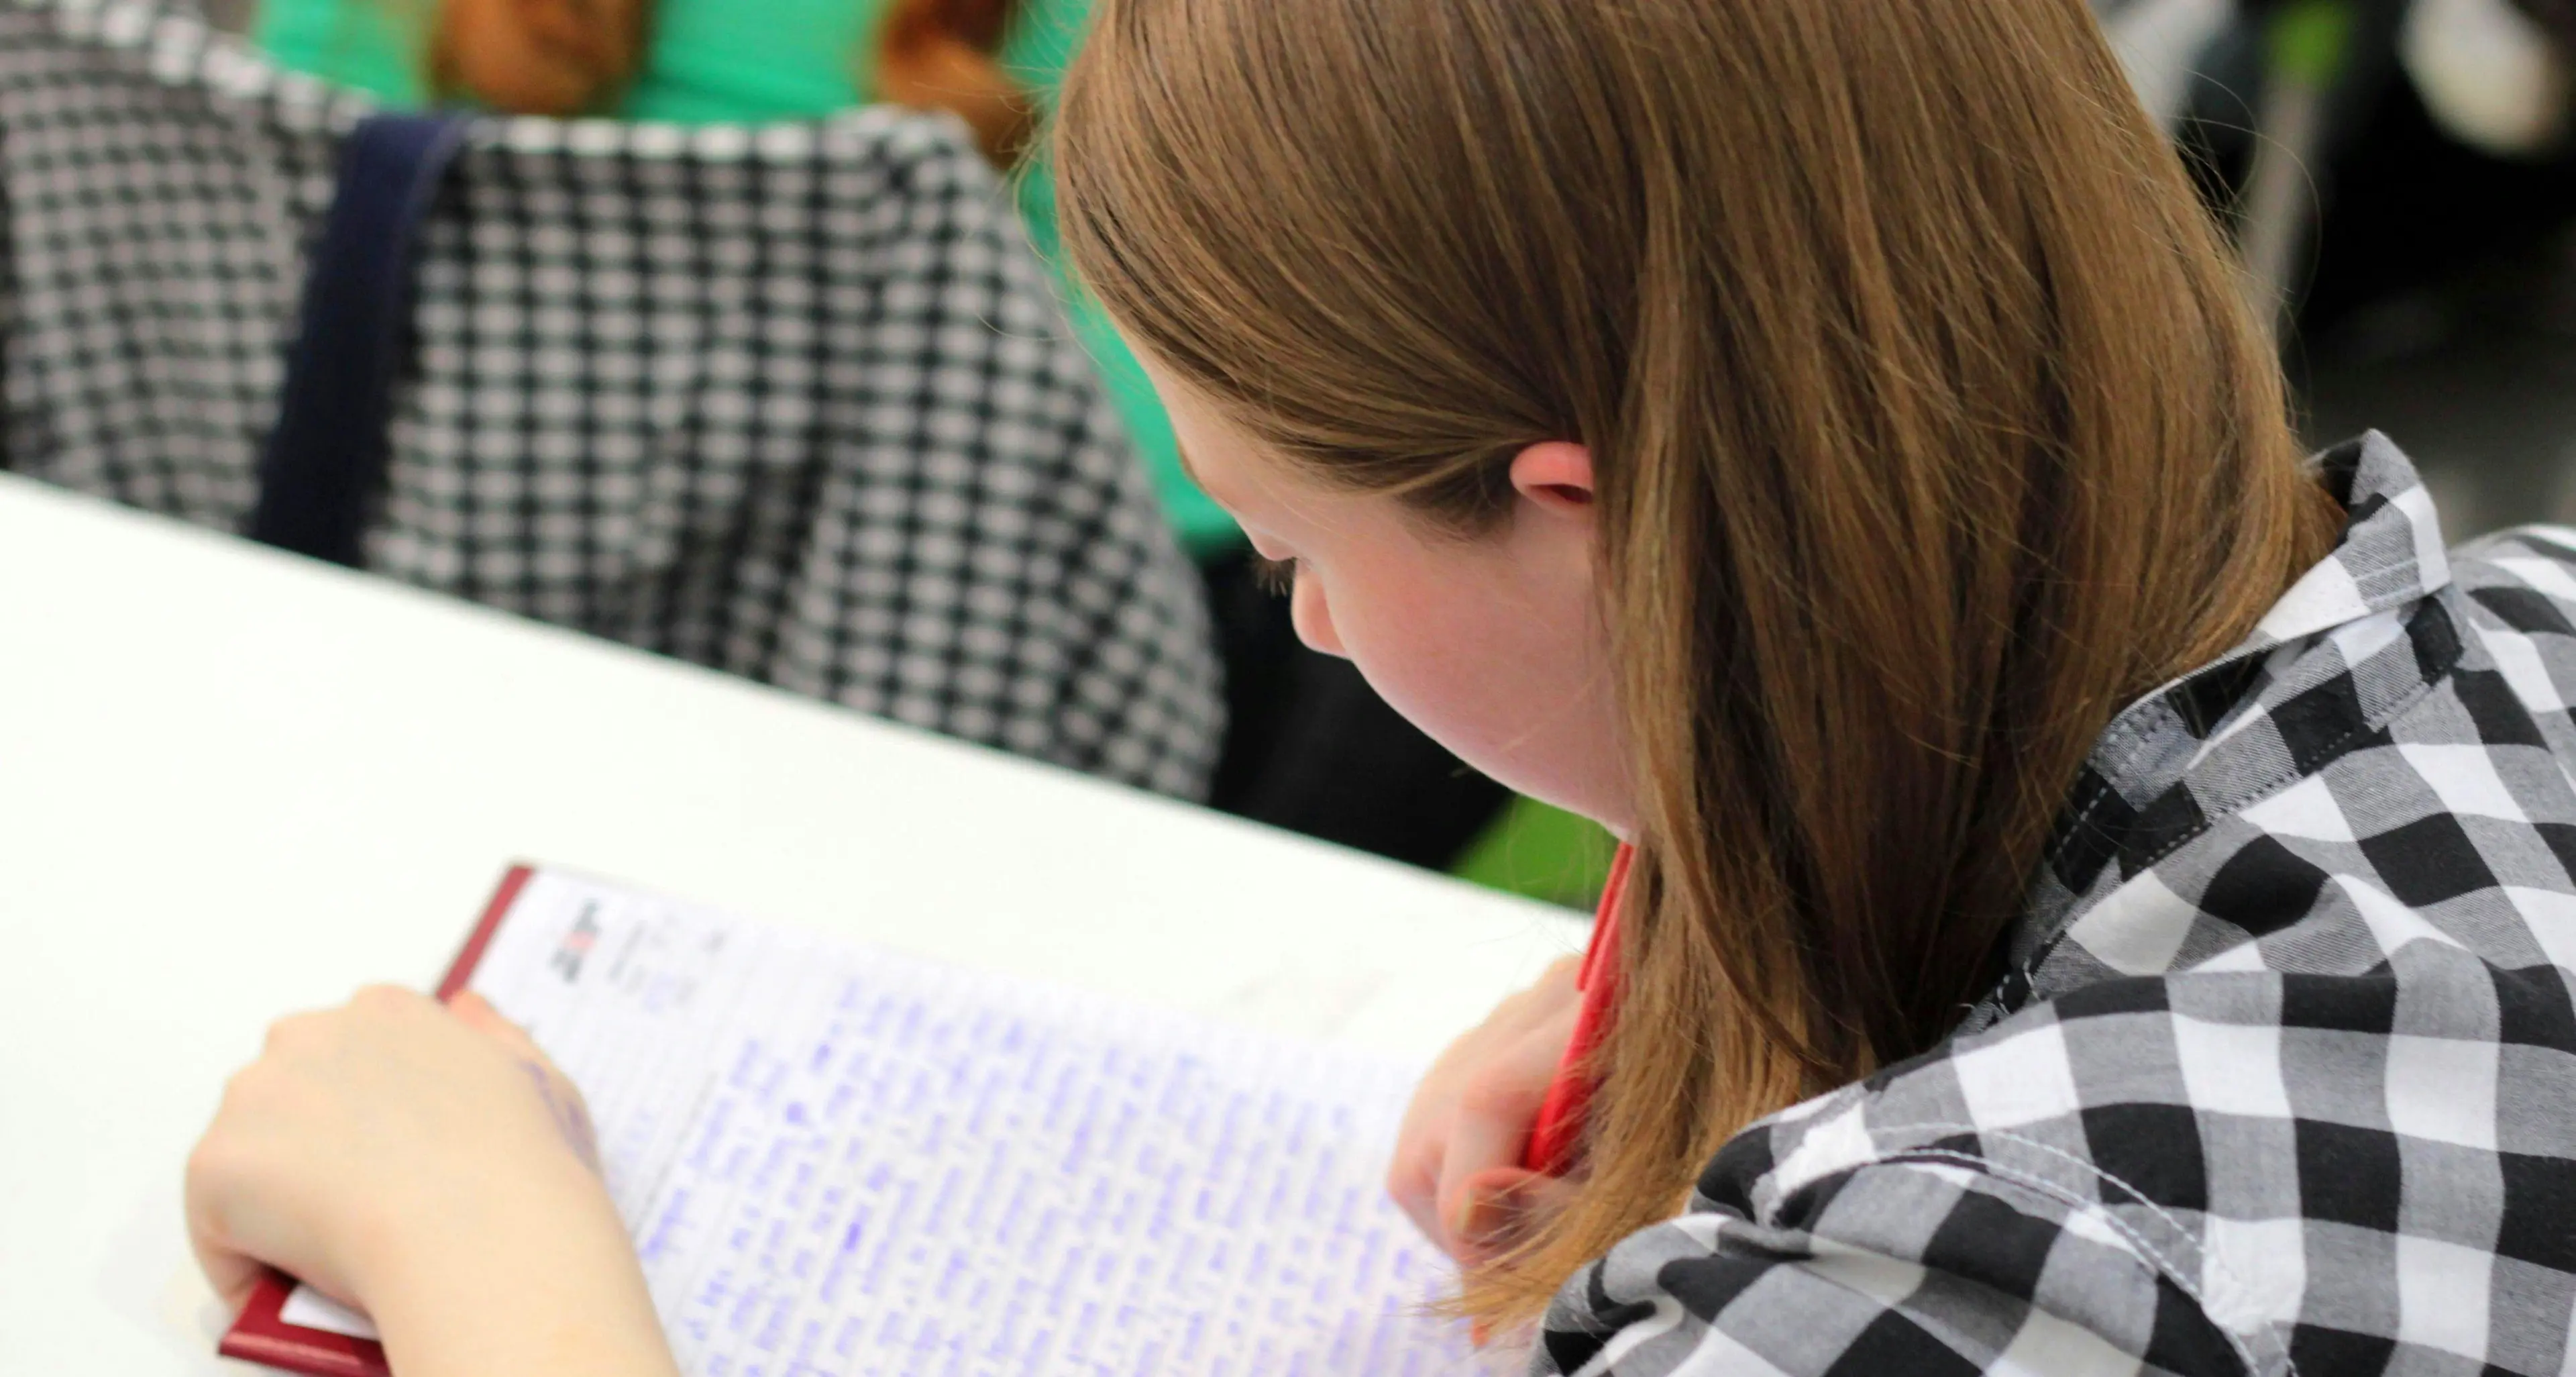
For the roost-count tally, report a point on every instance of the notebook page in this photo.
(840, 1159)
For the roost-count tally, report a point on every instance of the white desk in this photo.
(233, 784)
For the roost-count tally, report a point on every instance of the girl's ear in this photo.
(1556, 475)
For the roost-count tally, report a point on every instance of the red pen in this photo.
(1559, 1128)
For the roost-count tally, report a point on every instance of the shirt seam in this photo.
(2293, 773)
(2156, 1256)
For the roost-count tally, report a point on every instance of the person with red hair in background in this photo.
(1309, 746)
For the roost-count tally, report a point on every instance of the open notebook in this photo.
(840, 1159)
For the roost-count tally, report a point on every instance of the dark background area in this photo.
(2442, 310)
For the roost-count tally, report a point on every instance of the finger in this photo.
(477, 1013)
(1422, 1141)
(1545, 1012)
(1413, 1169)
(231, 1273)
(1413, 1180)
(295, 1032)
(1507, 1203)
(1496, 1110)
(1503, 1205)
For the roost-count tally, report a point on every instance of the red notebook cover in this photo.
(260, 1335)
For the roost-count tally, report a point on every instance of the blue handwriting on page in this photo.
(842, 1160)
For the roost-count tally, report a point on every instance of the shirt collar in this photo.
(2338, 655)
(2389, 559)
(2390, 554)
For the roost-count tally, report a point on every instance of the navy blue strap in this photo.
(326, 460)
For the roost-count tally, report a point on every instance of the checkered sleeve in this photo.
(1957, 1217)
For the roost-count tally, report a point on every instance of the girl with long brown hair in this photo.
(2097, 894)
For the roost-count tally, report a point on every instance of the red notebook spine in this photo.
(261, 1334)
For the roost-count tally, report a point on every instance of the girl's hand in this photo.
(431, 1167)
(1457, 1168)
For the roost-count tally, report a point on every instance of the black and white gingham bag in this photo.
(792, 401)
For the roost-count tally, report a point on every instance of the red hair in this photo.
(572, 57)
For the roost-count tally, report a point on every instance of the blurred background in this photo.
(2399, 177)
(2398, 173)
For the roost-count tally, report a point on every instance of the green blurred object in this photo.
(1542, 853)
(2306, 45)
(2307, 40)
(747, 61)
(1042, 42)
(712, 61)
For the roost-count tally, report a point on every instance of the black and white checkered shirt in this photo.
(792, 401)
(2285, 1077)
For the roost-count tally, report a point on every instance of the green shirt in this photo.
(742, 61)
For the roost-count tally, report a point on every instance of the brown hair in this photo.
(570, 57)
(1928, 425)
